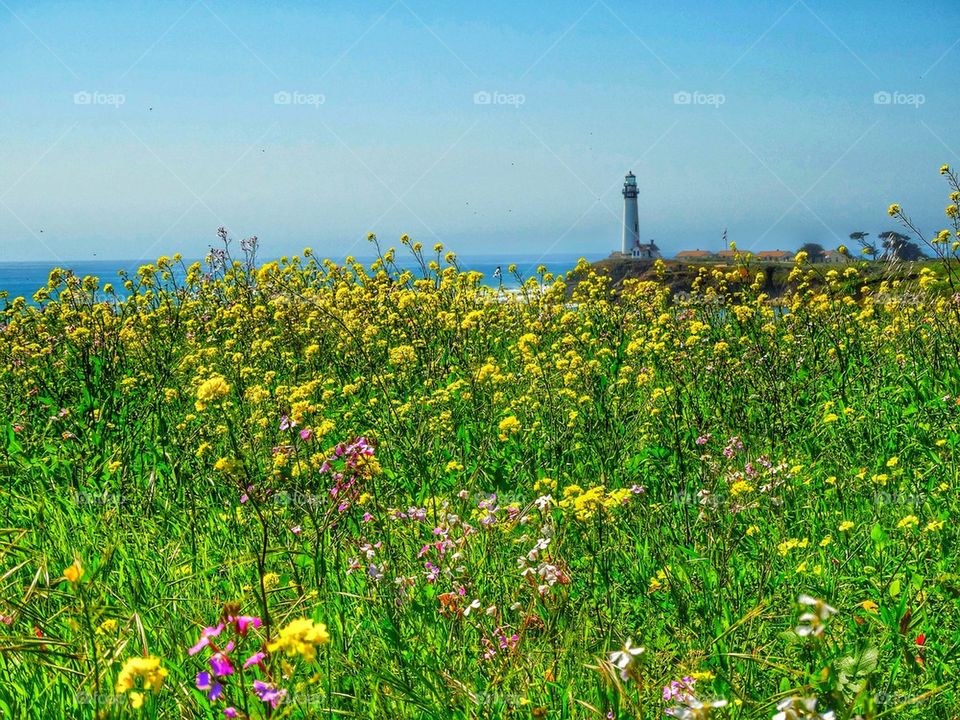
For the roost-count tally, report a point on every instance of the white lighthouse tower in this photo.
(631, 224)
(631, 215)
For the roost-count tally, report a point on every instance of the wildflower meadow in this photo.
(304, 489)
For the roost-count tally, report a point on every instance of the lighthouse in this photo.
(631, 215)
(632, 247)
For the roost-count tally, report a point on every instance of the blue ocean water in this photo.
(24, 278)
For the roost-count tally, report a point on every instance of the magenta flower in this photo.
(220, 664)
(679, 690)
(243, 623)
(230, 712)
(306, 434)
(205, 636)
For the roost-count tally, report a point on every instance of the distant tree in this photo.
(814, 251)
(897, 246)
(869, 248)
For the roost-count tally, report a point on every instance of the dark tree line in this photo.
(892, 246)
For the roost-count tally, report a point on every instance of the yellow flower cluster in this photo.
(145, 669)
(584, 503)
(211, 391)
(301, 637)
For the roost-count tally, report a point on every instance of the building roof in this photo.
(774, 254)
(728, 253)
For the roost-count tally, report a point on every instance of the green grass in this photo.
(843, 405)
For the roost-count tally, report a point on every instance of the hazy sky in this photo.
(132, 129)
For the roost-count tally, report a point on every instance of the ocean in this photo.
(24, 278)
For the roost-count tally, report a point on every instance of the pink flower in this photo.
(230, 712)
(255, 659)
(205, 636)
(306, 434)
(242, 623)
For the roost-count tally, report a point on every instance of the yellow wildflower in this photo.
(211, 391)
(74, 572)
(908, 521)
(149, 672)
(301, 637)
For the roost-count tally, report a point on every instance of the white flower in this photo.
(472, 606)
(543, 502)
(795, 708)
(811, 623)
(694, 709)
(623, 659)
(542, 544)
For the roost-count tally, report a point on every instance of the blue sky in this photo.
(133, 129)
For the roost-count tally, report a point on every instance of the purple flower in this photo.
(213, 689)
(230, 712)
(286, 423)
(306, 434)
(220, 664)
(268, 693)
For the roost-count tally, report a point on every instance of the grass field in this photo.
(309, 490)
